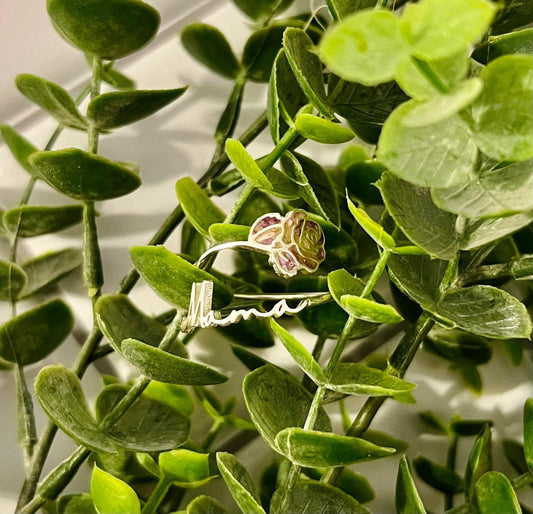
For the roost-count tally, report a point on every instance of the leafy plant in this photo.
(432, 202)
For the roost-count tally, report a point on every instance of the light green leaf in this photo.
(165, 367)
(197, 206)
(112, 110)
(440, 28)
(440, 477)
(307, 68)
(519, 42)
(209, 46)
(353, 378)
(247, 166)
(76, 504)
(498, 190)
(174, 396)
(48, 269)
(147, 426)
(321, 130)
(109, 29)
(33, 220)
(148, 463)
(51, 98)
(205, 505)
(172, 277)
(85, 176)
(407, 498)
(309, 497)
(528, 433)
(12, 280)
(366, 47)
(316, 449)
(19, 146)
(239, 483)
(299, 353)
(185, 468)
(501, 119)
(383, 439)
(438, 155)
(226, 232)
(372, 228)
(479, 461)
(494, 493)
(61, 396)
(31, 336)
(276, 401)
(111, 495)
(369, 310)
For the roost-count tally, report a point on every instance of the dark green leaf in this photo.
(249, 359)
(85, 176)
(109, 29)
(245, 163)
(528, 433)
(434, 423)
(511, 15)
(165, 367)
(276, 401)
(458, 346)
(205, 505)
(254, 333)
(239, 483)
(61, 396)
(51, 98)
(341, 8)
(260, 10)
(19, 146)
(192, 243)
(514, 350)
(383, 439)
(116, 109)
(48, 269)
(321, 130)
(31, 336)
(494, 493)
(209, 46)
(361, 178)
(76, 504)
(33, 220)
(172, 277)
(520, 42)
(407, 498)
(116, 79)
(440, 477)
(479, 461)
(468, 427)
(514, 453)
(13, 279)
(112, 495)
(147, 426)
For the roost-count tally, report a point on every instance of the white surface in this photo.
(175, 143)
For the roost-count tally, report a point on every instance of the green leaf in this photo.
(247, 166)
(501, 118)
(148, 463)
(321, 130)
(147, 426)
(119, 319)
(309, 497)
(434, 423)
(519, 42)
(514, 453)
(439, 477)
(486, 311)
(174, 396)
(479, 461)
(276, 401)
(226, 232)
(299, 353)
(76, 504)
(239, 483)
(85, 176)
(19, 146)
(306, 67)
(13, 279)
(342, 8)
(471, 377)
(511, 15)
(51, 98)
(441, 154)
(116, 79)
(372, 228)
(111, 495)
(172, 277)
(61, 396)
(458, 347)
(498, 190)
(165, 367)
(31, 336)
(407, 498)
(469, 427)
(356, 485)
(528, 433)
(494, 493)
(119, 108)
(260, 10)
(366, 47)
(197, 206)
(209, 46)
(353, 378)
(383, 439)
(192, 243)
(361, 178)
(316, 449)
(185, 468)
(440, 28)
(205, 505)
(33, 220)
(48, 269)
(109, 29)
(369, 310)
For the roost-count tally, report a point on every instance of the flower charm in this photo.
(294, 242)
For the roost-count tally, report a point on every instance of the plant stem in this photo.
(450, 463)
(215, 429)
(317, 351)
(519, 268)
(159, 492)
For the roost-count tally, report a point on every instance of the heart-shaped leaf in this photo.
(12, 280)
(321, 130)
(110, 494)
(494, 493)
(31, 336)
(109, 29)
(85, 176)
(51, 98)
(119, 108)
(19, 146)
(407, 498)
(33, 220)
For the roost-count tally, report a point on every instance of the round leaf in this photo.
(494, 493)
(111, 495)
